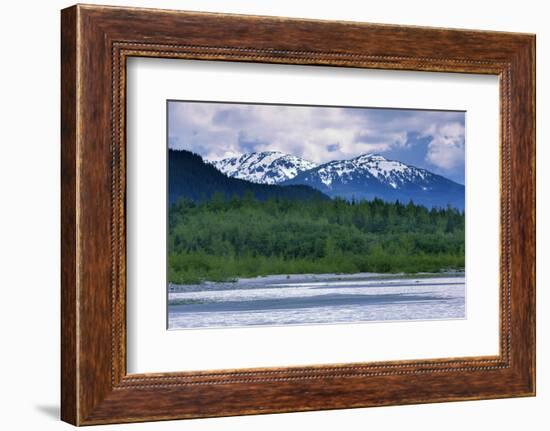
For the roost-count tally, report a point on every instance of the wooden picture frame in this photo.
(95, 43)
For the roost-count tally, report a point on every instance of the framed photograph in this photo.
(326, 230)
(264, 214)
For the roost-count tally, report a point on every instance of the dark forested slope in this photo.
(190, 177)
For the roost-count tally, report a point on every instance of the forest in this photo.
(222, 238)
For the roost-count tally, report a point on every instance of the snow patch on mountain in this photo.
(266, 167)
(389, 172)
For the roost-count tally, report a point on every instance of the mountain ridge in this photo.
(366, 176)
(370, 176)
(265, 167)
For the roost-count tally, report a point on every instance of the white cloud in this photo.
(446, 149)
(319, 134)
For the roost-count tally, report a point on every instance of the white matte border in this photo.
(152, 348)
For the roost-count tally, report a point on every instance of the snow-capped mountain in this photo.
(389, 172)
(190, 177)
(266, 167)
(367, 177)
(372, 176)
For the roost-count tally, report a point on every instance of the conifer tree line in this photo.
(224, 238)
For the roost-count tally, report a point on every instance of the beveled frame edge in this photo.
(96, 41)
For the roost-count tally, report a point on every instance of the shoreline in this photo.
(305, 278)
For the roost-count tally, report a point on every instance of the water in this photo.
(316, 299)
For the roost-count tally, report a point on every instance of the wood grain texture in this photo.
(69, 397)
(96, 41)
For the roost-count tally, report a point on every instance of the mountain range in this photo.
(367, 177)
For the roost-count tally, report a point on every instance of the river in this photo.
(316, 299)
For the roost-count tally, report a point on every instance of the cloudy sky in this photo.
(433, 140)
